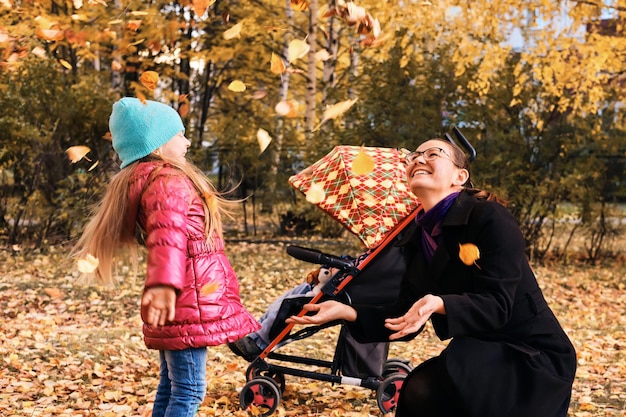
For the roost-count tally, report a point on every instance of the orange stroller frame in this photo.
(266, 381)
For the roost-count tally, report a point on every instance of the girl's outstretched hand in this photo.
(325, 312)
(416, 317)
(158, 305)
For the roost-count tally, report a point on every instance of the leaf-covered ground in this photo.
(73, 349)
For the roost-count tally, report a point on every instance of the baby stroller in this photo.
(373, 278)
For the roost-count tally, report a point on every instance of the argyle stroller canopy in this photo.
(367, 204)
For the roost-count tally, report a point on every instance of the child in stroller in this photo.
(355, 363)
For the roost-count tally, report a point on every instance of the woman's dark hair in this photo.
(462, 161)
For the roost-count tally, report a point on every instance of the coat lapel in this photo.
(458, 215)
(440, 262)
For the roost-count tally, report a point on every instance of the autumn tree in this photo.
(45, 113)
(536, 87)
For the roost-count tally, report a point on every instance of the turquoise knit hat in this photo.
(139, 128)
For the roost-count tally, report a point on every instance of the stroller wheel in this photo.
(255, 371)
(389, 391)
(396, 365)
(261, 395)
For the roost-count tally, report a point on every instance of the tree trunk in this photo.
(311, 88)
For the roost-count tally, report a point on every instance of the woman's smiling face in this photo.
(433, 175)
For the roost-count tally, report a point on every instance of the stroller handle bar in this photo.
(316, 257)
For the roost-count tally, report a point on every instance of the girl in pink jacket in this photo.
(191, 294)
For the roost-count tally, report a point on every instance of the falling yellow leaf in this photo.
(149, 79)
(65, 64)
(234, 32)
(80, 17)
(469, 253)
(237, 86)
(200, 6)
(133, 25)
(50, 34)
(336, 110)
(138, 42)
(259, 94)
(322, 55)
(354, 13)
(300, 5)
(39, 52)
(363, 163)
(44, 23)
(209, 289)
(297, 49)
(287, 108)
(277, 65)
(76, 153)
(88, 265)
(315, 194)
(264, 139)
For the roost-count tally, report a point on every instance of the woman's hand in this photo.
(416, 317)
(325, 312)
(158, 305)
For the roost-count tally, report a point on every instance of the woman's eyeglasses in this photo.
(428, 154)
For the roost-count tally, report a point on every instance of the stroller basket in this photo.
(266, 379)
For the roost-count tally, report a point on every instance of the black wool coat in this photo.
(508, 354)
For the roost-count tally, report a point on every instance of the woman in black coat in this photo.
(467, 272)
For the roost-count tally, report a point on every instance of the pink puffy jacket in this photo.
(168, 208)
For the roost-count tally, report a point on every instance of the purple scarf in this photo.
(430, 222)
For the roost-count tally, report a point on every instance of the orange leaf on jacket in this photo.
(209, 288)
(469, 253)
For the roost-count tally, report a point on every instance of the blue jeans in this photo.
(182, 383)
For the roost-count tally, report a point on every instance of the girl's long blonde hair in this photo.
(108, 234)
